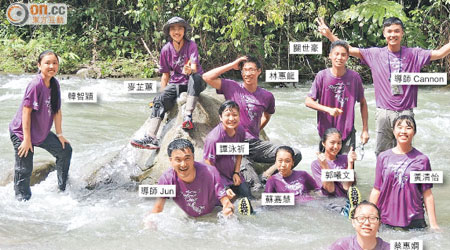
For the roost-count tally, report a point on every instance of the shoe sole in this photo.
(137, 145)
(245, 208)
(354, 197)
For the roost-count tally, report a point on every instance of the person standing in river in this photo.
(334, 93)
(41, 106)
(181, 72)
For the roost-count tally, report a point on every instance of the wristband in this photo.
(236, 173)
(59, 135)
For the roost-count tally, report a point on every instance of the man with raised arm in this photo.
(391, 101)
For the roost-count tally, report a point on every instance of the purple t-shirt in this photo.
(38, 97)
(382, 62)
(299, 182)
(400, 201)
(224, 163)
(200, 196)
(339, 163)
(351, 243)
(173, 62)
(337, 92)
(252, 105)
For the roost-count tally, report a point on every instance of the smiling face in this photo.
(176, 32)
(366, 221)
(332, 145)
(404, 132)
(284, 163)
(182, 161)
(48, 65)
(338, 57)
(230, 118)
(250, 73)
(393, 34)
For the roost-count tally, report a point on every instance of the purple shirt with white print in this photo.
(299, 182)
(251, 105)
(337, 92)
(351, 243)
(225, 164)
(382, 62)
(38, 97)
(173, 62)
(400, 201)
(200, 196)
(339, 163)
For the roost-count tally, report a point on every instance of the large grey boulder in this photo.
(41, 169)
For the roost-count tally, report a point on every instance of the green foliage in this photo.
(107, 34)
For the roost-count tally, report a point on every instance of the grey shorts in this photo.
(384, 121)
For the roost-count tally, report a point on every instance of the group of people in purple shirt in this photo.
(220, 179)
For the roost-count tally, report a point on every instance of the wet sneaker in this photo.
(187, 124)
(245, 207)
(147, 142)
(354, 196)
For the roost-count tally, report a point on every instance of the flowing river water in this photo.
(111, 217)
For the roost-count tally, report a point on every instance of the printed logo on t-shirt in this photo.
(250, 107)
(296, 186)
(181, 61)
(191, 197)
(48, 103)
(339, 92)
(399, 169)
(35, 105)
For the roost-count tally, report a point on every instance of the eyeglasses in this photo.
(251, 71)
(362, 219)
(359, 152)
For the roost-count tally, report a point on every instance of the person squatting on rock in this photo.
(41, 106)
(256, 107)
(181, 72)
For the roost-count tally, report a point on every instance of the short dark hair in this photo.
(228, 104)
(409, 120)
(340, 43)
(366, 203)
(392, 20)
(325, 136)
(287, 149)
(250, 59)
(181, 144)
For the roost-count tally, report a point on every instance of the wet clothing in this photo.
(252, 105)
(23, 167)
(391, 101)
(382, 63)
(37, 96)
(299, 182)
(339, 163)
(351, 243)
(225, 164)
(400, 201)
(200, 196)
(337, 92)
